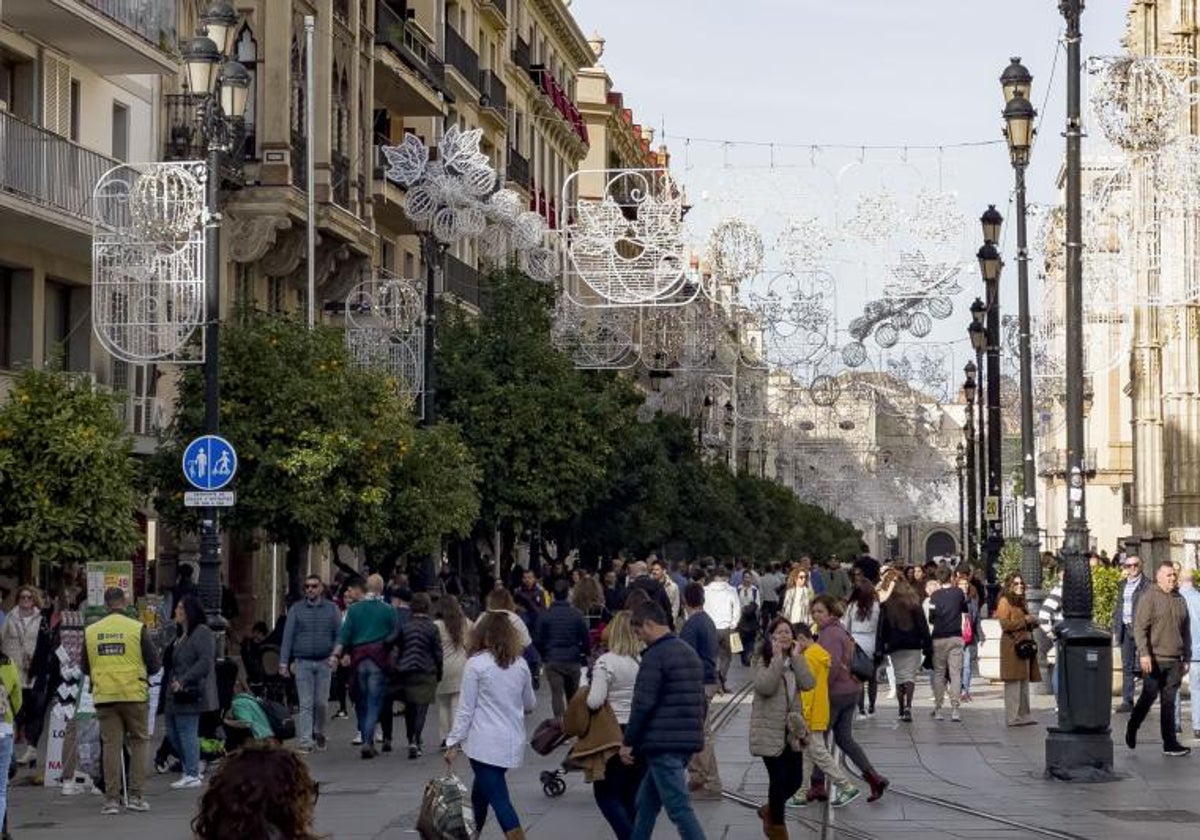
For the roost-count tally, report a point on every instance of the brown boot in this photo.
(777, 832)
(515, 834)
(878, 785)
(764, 814)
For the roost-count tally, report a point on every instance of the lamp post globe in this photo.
(1019, 115)
(978, 310)
(1016, 79)
(235, 89)
(200, 59)
(972, 373)
(989, 264)
(218, 20)
(991, 222)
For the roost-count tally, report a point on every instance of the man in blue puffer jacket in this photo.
(666, 724)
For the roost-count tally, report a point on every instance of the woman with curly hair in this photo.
(489, 725)
(262, 790)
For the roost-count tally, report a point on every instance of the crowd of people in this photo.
(633, 655)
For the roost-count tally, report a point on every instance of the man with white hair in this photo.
(366, 636)
(1191, 595)
(639, 579)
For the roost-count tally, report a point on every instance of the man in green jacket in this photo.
(1161, 629)
(366, 637)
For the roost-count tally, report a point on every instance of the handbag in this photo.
(445, 811)
(735, 642)
(796, 727)
(1025, 647)
(862, 667)
(968, 630)
(547, 737)
(186, 695)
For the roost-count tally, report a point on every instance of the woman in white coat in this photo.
(453, 628)
(489, 726)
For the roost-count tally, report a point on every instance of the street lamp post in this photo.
(989, 267)
(960, 458)
(1019, 114)
(1080, 748)
(222, 86)
(970, 387)
(978, 335)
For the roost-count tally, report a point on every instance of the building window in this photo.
(120, 132)
(76, 96)
(244, 287)
(276, 288)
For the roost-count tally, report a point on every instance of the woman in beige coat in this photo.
(452, 627)
(1015, 672)
(780, 674)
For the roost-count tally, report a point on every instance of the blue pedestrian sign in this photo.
(209, 462)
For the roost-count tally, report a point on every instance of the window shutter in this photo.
(56, 94)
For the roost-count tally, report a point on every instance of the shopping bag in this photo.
(445, 811)
(735, 642)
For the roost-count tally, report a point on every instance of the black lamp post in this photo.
(978, 335)
(990, 265)
(222, 86)
(1019, 116)
(1080, 748)
(970, 387)
(960, 460)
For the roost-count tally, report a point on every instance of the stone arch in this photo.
(940, 543)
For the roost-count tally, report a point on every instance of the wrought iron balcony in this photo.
(522, 56)
(339, 172)
(492, 93)
(460, 56)
(498, 9)
(46, 169)
(518, 169)
(153, 20)
(409, 43)
(463, 281)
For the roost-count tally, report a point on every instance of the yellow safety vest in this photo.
(114, 650)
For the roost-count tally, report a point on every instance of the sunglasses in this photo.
(312, 586)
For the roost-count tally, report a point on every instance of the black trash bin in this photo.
(1085, 677)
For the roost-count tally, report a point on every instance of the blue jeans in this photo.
(183, 730)
(1193, 676)
(968, 655)
(665, 786)
(491, 788)
(312, 689)
(372, 683)
(6, 751)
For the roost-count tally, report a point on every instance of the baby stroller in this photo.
(546, 739)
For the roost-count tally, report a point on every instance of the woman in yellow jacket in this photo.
(815, 704)
(10, 704)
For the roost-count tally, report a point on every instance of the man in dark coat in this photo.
(639, 578)
(1132, 588)
(562, 640)
(666, 723)
(699, 631)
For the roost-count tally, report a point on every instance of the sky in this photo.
(860, 73)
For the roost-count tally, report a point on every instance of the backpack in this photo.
(282, 724)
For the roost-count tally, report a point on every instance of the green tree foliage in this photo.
(1106, 588)
(326, 451)
(66, 473)
(544, 436)
(561, 449)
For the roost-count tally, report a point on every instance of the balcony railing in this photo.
(47, 169)
(339, 173)
(518, 168)
(521, 54)
(460, 56)
(492, 93)
(560, 99)
(463, 281)
(409, 43)
(502, 5)
(186, 139)
(153, 20)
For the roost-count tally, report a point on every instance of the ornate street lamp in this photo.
(969, 388)
(1019, 115)
(1080, 748)
(990, 265)
(991, 221)
(960, 462)
(222, 86)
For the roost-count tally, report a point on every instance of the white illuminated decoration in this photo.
(455, 197)
(938, 218)
(876, 218)
(1138, 102)
(735, 250)
(148, 261)
(595, 338)
(803, 243)
(385, 330)
(627, 247)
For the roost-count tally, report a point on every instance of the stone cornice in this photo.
(567, 30)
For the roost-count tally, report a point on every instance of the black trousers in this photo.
(1162, 684)
(784, 774)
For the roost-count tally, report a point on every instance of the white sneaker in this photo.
(891, 695)
(186, 782)
(955, 716)
(357, 740)
(937, 714)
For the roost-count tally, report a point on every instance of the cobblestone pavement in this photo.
(987, 772)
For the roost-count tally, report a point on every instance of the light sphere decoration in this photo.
(167, 203)
(735, 250)
(854, 354)
(385, 320)
(1138, 102)
(875, 218)
(803, 243)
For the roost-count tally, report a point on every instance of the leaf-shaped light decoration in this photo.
(459, 148)
(407, 162)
